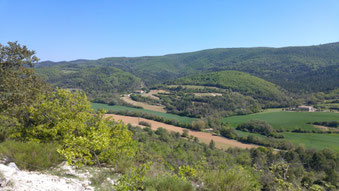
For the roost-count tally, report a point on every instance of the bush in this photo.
(260, 127)
(144, 123)
(168, 183)
(237, 178)
(30, 155)
(198, 125)
(327, 123)
(229, 133)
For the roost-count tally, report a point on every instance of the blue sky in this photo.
(73, 29)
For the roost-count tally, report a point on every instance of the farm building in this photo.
(306, 108)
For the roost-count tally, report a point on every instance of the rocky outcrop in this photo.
(12, 178)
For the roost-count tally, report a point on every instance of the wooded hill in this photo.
(241, 82)
(298, 69)
(99, 83)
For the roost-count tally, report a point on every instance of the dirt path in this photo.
(158, 108)
(220, 142)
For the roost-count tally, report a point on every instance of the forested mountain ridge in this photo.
(307, 68)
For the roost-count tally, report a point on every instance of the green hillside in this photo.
(309, 68)
(99, 83)
(238, 82)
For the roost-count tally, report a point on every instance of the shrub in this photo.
(237, 178)
(168, 182)
(83, 137)
(260, 127)
(185, 133)
(144, 123)
(229, 133)
(30, 155)
(198, 125)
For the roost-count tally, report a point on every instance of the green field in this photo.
(293, 120)
(124, 108)
(313, 140)
(285, 120)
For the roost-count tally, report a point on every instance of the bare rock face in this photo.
(12, 178)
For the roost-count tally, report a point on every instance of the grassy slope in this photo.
(293, 120)
(293, 68)
(124, 108)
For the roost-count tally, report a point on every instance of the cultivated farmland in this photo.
(285, 120)
(178, 118)
(220, 142)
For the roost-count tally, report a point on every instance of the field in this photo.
(220, 142)
(207, 94)
(194, 87)
(313, 140)
(293, 120)
(285, 120)
(144, 105)
(124, 108)
(152, 93)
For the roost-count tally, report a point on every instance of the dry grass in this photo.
(207, 94)
(151, 94)
(144, 105)
(324, 128)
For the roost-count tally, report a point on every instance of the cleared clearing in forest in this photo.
(144, 105)
(151, 94)
(207, 94)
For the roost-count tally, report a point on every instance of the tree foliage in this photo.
(19, 86)
(32, 112)
(84, 137)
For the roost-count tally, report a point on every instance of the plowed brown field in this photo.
(220, 142)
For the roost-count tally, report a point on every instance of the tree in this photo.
(19, 86)
(83, 136)
(31, 111)
(212, 144)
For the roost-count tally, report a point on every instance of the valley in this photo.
(249, 118)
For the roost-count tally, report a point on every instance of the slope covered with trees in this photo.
(101, 84)
(237, 82)
(299, 69)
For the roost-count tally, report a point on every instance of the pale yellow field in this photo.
(144, 105)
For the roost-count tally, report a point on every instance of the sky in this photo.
(61, 30)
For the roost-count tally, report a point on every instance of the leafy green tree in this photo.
(212, 144)
(19, 86)
(84, 137)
